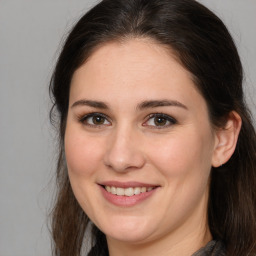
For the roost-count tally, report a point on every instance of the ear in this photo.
(226, 139)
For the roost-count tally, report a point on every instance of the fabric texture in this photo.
(213, 248)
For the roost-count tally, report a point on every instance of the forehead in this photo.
(133, 59)
(133, 70)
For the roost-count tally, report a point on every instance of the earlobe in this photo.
(226, 139)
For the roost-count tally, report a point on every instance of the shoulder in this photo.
(213, 248)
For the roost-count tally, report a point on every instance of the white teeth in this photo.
(127, 191)
(120, 191)
(136, 191)
(113, 190)
(143, 190)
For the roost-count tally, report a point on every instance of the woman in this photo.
(157, 148)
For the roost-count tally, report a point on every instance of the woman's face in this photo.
(139, 145)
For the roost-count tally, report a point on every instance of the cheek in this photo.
(182, 154)
(83, 156)
(83, 153)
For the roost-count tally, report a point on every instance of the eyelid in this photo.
(83, 118)
(171, 120)
(162, 115)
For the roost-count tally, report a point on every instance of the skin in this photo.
(129, 146)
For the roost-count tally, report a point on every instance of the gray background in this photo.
(30, 36)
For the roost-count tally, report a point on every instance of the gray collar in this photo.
(213, 248)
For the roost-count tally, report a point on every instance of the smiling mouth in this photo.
(130, 191)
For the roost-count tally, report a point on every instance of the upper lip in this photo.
(129, 184)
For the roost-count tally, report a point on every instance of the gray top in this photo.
(213, 248)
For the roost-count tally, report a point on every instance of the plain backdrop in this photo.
(31, 33)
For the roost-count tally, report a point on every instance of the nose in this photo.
(124, 151)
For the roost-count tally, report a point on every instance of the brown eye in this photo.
(98, 120)
(95, 119)
(160, 121)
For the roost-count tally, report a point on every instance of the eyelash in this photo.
(170, 120)
(167, 118)
(84, 119)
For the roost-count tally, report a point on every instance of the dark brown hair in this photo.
(205, 48)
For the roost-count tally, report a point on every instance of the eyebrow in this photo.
(90, 103)
(160, 103)
(143, 105)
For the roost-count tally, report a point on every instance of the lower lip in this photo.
(126, 201)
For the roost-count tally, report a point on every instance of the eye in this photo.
(95, 119)
(159, 121)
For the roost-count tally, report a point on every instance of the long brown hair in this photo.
(205, 48)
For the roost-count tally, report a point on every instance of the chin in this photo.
(131, 229)
(132, 237)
